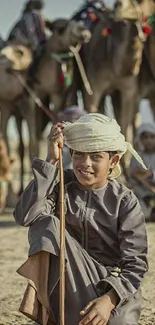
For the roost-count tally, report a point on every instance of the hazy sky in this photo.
(11, 9)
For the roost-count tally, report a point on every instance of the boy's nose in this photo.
(87, 161)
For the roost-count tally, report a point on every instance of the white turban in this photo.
(95, 132)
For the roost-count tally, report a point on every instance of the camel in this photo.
(45, 82)
(146, 79)
(112, 61)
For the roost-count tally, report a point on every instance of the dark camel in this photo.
(113, 62)
(45, 82)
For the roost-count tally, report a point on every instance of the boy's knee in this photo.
(129, 313)
(116, 320)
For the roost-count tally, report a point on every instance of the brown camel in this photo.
(145, 79)
(113, 62)
(147, 72)
(45, 82)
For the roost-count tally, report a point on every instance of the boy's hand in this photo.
(55, 141)
(98, 310)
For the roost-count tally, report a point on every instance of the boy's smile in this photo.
(92, 168)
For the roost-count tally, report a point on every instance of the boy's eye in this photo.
(77, 153)
(96, 156)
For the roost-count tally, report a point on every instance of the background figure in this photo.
(143, 181)
(31, 25)
(88, 7)
(70, 114)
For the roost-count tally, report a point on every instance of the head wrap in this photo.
(71, 113)
(95, 132)
(146, 127)
(34, 4)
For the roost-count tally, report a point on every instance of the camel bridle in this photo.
(138, 10)
(139, 21)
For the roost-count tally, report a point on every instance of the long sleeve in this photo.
(35, 197)
(133, 247)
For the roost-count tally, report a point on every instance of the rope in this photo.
(140, 18)
(75, 51)
(138, 10)
(36, 99)
(59, 57)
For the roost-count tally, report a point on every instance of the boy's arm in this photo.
(133, 246)
(34, 201)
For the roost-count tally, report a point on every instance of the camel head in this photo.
(136, 10)
(20, 56)
(67, 33)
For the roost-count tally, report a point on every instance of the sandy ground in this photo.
(13, 252)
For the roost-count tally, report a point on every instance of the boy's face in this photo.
(92, 169)
(148, 141)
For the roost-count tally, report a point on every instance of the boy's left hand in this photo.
(98, 311)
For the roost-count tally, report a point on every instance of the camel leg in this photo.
(152, 103)
(5, 113)
(21, 152)
(101, 108)
(91, 102)
(125, 106)
(71, 97)
(28, 112)
(6, 109)
(129, 106)
(59, 101)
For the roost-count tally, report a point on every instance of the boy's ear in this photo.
(114, 160)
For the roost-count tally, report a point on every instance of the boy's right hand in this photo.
(54, 142)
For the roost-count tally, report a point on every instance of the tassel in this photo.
(62, 79)
(68, 80)
(147, 30)
(65, 79)
(151, 20)
(106, 31)
(92, 16)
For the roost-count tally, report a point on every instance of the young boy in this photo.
(106, 242)
(143, 181)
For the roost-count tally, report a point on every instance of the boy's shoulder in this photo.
(121, 192)
(127, 201)
(119, 188)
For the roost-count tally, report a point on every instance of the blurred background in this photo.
(9, 12)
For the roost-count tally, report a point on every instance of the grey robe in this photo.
(140, 190)
(105, 230)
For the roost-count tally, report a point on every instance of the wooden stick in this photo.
(62, 243)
